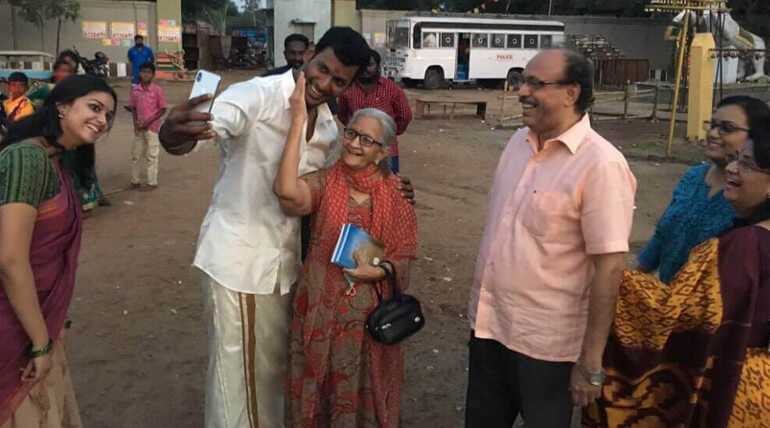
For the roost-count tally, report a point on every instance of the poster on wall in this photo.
(122, 30)
(379, 41)
(169, 33)
(142, 29)
(94, 30)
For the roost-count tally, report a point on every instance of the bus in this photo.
(438, 50)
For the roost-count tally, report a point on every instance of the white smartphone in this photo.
(206, 82)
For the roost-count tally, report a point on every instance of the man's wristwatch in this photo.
(594, 378)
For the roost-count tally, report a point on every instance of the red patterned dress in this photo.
(338, 376)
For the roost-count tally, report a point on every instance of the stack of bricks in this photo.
(595, 47)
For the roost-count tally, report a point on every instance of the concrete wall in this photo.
(635, 37)
(170, 10)
(287, 14)
(28, 36)
(344, 13)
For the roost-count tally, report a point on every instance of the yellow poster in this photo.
(106, 42)
(122, 30)
(94, 30)
(169, 33)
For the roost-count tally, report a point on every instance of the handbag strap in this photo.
(389, 278)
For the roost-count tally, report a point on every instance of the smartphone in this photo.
(205, 83)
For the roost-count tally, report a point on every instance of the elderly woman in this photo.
(695, 352)
(698, 210)
(40, 228)
(338, 375)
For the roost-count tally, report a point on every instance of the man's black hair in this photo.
(147, 66)
(376, 57)
(67, 53)
(580, 70)
(18, 76)
(296, 38)
(348, 45)
(138, 36)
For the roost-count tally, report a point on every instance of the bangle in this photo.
(45, 350)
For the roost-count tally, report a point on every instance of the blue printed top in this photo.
(691, 217)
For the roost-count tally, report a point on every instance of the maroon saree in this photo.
(692, 353)
(53, 256)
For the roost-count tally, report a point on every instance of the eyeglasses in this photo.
(536, 84)
(745, 163)
(366, 141)
(724, 128)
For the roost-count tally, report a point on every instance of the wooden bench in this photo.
(481, 106)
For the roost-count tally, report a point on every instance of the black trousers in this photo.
(503, 383)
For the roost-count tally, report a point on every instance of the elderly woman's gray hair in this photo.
(388, 128)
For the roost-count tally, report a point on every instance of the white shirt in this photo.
(246, 243)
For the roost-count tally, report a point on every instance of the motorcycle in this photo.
(94, 67)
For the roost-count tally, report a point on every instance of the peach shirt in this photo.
(549, 212)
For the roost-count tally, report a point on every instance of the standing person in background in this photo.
(294, 48)
(147, 105)
(551, 256)
(3, 116)
(375, 91)
(18, 105)
(138, 55)
(71, 58)
(61, 70)
(40, 235)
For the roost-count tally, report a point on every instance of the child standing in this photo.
(18, 106)
(148, 105)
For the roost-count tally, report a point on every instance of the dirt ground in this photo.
(138, 345)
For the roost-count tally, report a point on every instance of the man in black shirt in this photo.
(294, 46)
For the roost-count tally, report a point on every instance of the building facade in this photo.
(105, 26)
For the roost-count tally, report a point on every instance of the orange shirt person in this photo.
(18, 106)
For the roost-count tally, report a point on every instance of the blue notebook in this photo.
(353, 238)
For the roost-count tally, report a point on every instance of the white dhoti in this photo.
(248, 348)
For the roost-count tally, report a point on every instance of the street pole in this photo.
(550, 7)
(679, 67)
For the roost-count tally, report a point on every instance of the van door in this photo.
(463, 57)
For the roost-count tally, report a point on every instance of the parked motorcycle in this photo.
(94, 67)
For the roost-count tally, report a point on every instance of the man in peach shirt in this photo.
(551, 257)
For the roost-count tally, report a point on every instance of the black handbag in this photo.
(395, 319)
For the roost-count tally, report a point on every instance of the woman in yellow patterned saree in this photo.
(695, 353)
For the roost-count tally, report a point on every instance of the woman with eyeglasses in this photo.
(698, 210)
(40, 231)
(696, 352)
(337, 374)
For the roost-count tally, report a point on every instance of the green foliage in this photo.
(215, 12)
(39, 11)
